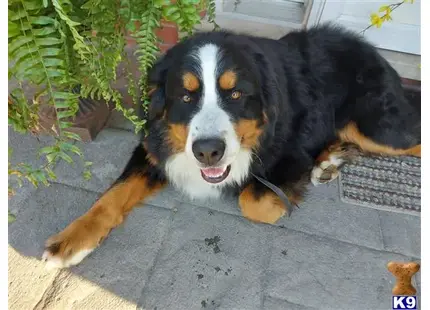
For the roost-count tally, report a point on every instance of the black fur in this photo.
(309, 84)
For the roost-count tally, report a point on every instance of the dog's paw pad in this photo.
(324, 172)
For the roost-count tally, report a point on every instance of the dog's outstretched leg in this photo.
(139, 180)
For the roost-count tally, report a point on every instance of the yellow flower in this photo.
(376, 20)
(384, 8)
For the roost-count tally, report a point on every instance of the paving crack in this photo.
(53, 290)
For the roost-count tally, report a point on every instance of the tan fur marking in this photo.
(267, 209)
(177, 137)
(350, 133)
(248, 132)
(228, 80)
(109, 211)
(190, 81)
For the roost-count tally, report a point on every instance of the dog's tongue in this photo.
(213, 172)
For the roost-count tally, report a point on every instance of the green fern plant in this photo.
(71, 49)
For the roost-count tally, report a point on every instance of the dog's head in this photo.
(212, 107)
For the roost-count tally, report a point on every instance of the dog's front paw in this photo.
(73, 244)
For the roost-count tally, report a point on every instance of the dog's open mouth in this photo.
(215, 175)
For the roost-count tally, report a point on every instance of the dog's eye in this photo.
(236, 94)
(186, 98)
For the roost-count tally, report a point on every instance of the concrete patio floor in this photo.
(180, 254)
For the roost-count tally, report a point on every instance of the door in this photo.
(402, 34)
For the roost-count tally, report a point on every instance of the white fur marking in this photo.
(211, 121)
(317, 171)
(53, 262)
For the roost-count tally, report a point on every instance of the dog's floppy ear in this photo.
(157, 80)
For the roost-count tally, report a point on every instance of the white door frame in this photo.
(386, 37)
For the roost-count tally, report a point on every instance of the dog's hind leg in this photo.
(139, 180)
(351, 142)
(351, 134)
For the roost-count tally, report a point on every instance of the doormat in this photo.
(384, 183)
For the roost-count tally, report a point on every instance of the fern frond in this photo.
(147, 43)
(211, 9)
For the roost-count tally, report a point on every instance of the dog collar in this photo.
(278, 192)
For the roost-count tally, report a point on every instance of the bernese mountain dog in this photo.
(256, 117)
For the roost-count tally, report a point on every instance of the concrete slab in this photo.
(271, 303)
(28, 280)
(69, 291)
(118, 121)
(109, 153)
(401, 232)
(46, 212)
(324, 273)
(25, 148)
(209, 260)
(121, 264)
(322, 213)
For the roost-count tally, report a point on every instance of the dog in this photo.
(255, 117)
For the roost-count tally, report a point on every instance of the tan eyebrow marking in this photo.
(228, 80)
(190, 81)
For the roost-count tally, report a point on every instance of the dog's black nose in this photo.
(208, 151)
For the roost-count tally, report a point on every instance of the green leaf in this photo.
(26, 65)
(65, 124)
(169, 10)
(32, 5)
(11, 218)
(87, 175)
(190, 10)
(17, 43)
(50, 173)
(48, 150)
(51, 157)
(65, 96)
(17, 14)
(55, 72)
(88, 164)
(45, 3)
(160, 3)
(42, 20)
(72, 135)
(48, 41)
(53, 62)
(65, 114)
(40, 176)
(66, 157)
(44, 31)
(70, 147)
(22, 52)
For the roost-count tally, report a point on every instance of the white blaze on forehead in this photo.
(208, 58)
(211, 120)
